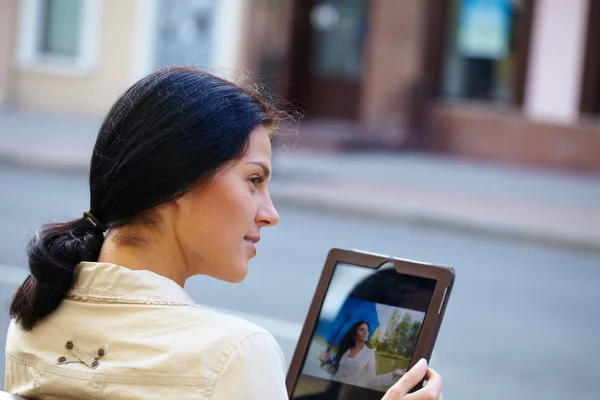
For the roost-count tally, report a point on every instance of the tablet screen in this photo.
(365, 335)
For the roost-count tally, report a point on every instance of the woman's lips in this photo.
(251, 244)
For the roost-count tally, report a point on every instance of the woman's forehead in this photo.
(259, 146)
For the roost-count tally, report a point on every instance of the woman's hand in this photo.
(325, 356)
(431, 391)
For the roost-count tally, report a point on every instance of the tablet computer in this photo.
(372, 318)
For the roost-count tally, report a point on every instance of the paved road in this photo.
(522, 322)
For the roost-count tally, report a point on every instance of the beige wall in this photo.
(92, 92)
(8, 18)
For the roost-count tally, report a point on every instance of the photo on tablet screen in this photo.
(366, 332)
(367, 345)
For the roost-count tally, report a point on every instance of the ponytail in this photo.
(53, 253)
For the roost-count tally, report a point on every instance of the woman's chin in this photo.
(232, 270)
(237, 274)
(239, 278)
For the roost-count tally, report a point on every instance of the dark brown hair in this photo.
(164, 135)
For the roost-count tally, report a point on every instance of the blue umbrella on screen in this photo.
(351, 312)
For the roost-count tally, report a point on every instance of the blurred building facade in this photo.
(511, 80)
(75, 56)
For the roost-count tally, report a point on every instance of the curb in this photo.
(425, 218)
(284, 195)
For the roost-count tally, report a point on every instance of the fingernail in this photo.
(421, 364)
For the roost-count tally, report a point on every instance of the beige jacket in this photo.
(124, 334)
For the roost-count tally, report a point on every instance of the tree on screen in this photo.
(401, 335)
(376, 339)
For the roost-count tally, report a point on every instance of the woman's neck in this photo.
(359, 345)
(149, 254)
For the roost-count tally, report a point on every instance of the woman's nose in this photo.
(267, 214)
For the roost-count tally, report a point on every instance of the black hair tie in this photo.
(94, 221)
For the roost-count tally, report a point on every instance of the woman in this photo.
(354, 360)
(178, 187)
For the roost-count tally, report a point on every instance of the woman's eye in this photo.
(257, 181)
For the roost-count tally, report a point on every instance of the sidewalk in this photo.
(551, 208)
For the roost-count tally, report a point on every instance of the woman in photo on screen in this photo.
(354, 360)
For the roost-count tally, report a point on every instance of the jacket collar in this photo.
(105, 282)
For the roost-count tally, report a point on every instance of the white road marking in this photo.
(279, 328)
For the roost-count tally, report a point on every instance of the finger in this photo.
(408, 381)
(432, 390)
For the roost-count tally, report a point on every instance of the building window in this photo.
(185, 33)
(59, 35)
(61, 27)
(484, 50)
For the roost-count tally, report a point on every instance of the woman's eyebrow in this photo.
(266, 170)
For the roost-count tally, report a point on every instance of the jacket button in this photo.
(100, 352)
(95, 364)
(62, 359)
(69, 345)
